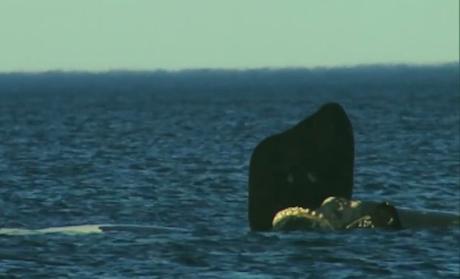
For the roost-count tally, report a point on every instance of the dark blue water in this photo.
(171, 151)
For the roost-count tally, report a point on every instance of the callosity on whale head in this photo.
(301, 166)
(338, 213)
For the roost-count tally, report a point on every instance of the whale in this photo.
(301, 166)
(302, 178)
(337, 213)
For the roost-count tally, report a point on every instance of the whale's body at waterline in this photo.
(339, 213)
(302, 178)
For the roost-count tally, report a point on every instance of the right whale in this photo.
(301, 166)
(337, 213)
(303, 178)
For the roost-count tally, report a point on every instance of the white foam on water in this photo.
(90, 229)
(82, 229)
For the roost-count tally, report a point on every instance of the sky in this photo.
(101, 35)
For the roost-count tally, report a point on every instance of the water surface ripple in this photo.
(180, 163)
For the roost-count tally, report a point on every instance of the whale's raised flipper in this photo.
(302, 166)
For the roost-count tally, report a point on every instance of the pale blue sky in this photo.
(99, 35)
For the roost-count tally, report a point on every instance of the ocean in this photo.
(163, 157)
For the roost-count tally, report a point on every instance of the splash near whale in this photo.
(303, 179)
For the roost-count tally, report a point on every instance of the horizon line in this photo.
(234, 69)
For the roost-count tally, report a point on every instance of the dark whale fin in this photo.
(302, 166)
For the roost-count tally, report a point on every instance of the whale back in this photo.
(301, 166)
